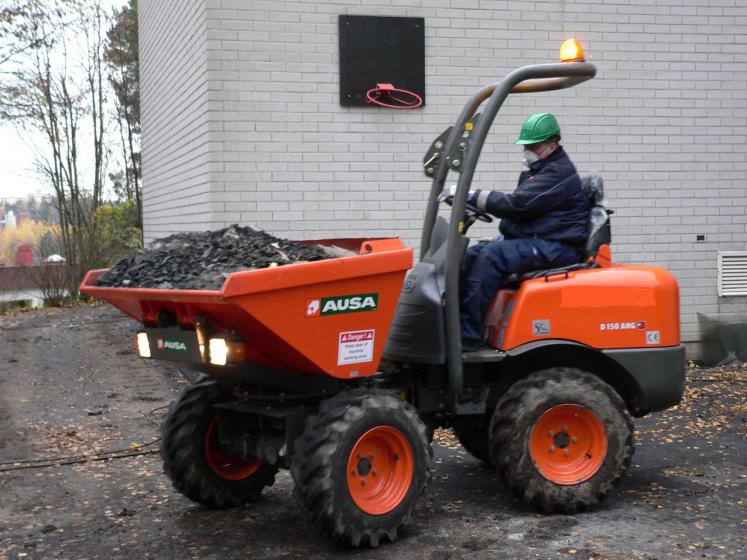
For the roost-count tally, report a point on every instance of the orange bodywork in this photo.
(301, 317)
(622, 306)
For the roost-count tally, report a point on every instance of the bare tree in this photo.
(122, 57)
(45, 94)
(13, 42)
(51, 280)
(91, 20)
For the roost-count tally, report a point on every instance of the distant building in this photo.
(22, 214)
(24, 287)
(9, 220)
(25, 254)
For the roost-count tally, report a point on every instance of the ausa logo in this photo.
(171, 345)
(342, 304)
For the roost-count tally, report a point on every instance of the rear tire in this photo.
(192, 457)
(561, 439)
(473, 432)
(361, 465)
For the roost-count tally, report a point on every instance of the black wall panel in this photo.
(376, 50)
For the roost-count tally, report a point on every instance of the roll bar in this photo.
(528, 79)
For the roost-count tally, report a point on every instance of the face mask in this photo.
(529, 157)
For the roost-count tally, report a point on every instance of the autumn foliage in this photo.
(28, 231)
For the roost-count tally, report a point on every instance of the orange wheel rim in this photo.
(225, 466)
(568, 444)
(380, 470)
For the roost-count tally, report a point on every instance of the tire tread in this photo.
(183, 457)
(512, 460)
(311, 466)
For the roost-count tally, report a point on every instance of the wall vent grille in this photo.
(732, 273)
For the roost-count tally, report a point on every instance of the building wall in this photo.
(665, 121)
(174, 115)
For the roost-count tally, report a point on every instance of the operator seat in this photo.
(600, 233)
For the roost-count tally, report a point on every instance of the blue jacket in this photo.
(548, 203)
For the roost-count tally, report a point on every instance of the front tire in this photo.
(193, 459)
(361, 465)
(561, 439)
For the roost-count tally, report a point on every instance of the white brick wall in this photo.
(174, 113)
(665, 121)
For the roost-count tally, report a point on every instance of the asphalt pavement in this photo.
(71, 387)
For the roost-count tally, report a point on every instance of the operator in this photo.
(544, 224)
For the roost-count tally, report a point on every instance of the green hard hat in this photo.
(538, 128)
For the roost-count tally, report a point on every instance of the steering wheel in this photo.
(471, 211)
(478, 214)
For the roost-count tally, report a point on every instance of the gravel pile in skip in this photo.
(201, 261)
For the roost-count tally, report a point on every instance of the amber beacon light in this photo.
(571, 51)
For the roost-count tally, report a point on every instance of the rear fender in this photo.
(543, 354)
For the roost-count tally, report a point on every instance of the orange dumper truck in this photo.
(340, 370)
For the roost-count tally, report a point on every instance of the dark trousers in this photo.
(486, 265)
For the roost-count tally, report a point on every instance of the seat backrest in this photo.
(600, 231)
(593, 185)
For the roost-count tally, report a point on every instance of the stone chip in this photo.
(202, 260)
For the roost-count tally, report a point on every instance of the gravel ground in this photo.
(71, 385)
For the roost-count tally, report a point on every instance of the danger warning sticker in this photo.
(355, 347)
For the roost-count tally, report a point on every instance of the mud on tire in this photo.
(189, 434)
(529, 403)
(335, 454)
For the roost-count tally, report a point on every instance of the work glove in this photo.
(447, 195)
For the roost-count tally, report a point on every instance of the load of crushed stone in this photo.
(202, 260)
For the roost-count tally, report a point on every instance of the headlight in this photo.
(142, 344)
(224, 351)
(218, 352)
